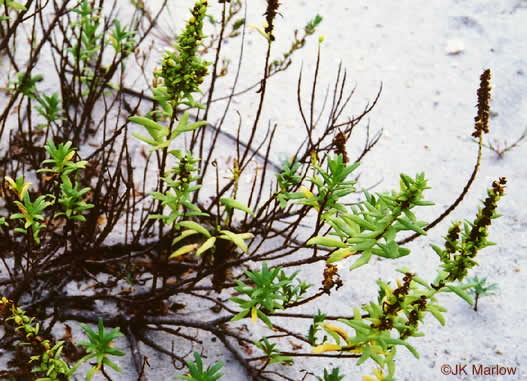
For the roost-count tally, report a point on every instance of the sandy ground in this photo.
(428, 57)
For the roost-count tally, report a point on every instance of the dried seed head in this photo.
(482, 118)
(331, 278)
(270, 14)
(340, 146)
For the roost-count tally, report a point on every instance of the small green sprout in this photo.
(100, 347)
(89, 41)
(52, 364)
(71, 200)
(61, 158)
(122, 40)
(287, 179)
(30, 214)
(479, 287)
(333, 376)
(50, 107)
(197, 373)
(318, 319)
(272, 353)
(26, 84)
(19, 186)
(266, 294)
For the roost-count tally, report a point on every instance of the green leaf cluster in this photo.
(100, 347)
(61, 158)
(71, 197)
(180, 188)
(318, 319)
(330, 185)
(198, 373)
(265, 296)
(90, 40)
(31, 215)
(333, 376)
(480, 287)
(50, 107)
(371, 227)
(161, 136)
(287, 179)
(26, 84)
(72, 201)
(272, 353)
(51, 366)
(122, 39)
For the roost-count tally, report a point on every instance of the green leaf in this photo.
(402, 342)
(144, 139)
(206, 246)
(196, 227)
(364, 258)
(410, 226)
(240, 315)
(437, 314)
(152, 127)
(184, 250)
(264, 318)
(326, 241)
(183, 125)
(390, 250)
(15, 5)
(340, 254)
(458, 291)
(230, 203)
(366, 244)
(362, 222)
(236, 239)
(184, 234)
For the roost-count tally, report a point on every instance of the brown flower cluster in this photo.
(331, 278)
(452, 237)
(340, 146)
(482, 119)
(270, 14)
(478, 234)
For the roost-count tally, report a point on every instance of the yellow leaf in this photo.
(367, 378)
(257, 28)
(306, 191)
(308, 194)
(340, 254)
(69, 156)
(254, 314)
(23, 190)
(339, 331)
(184, 250)
(11, 182)
(326, 348)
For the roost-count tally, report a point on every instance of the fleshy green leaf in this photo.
(326, 241)
(184, 250)
(196, 227)
(340, 254)
(236, 239)
(206, 246)
(230, 203)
